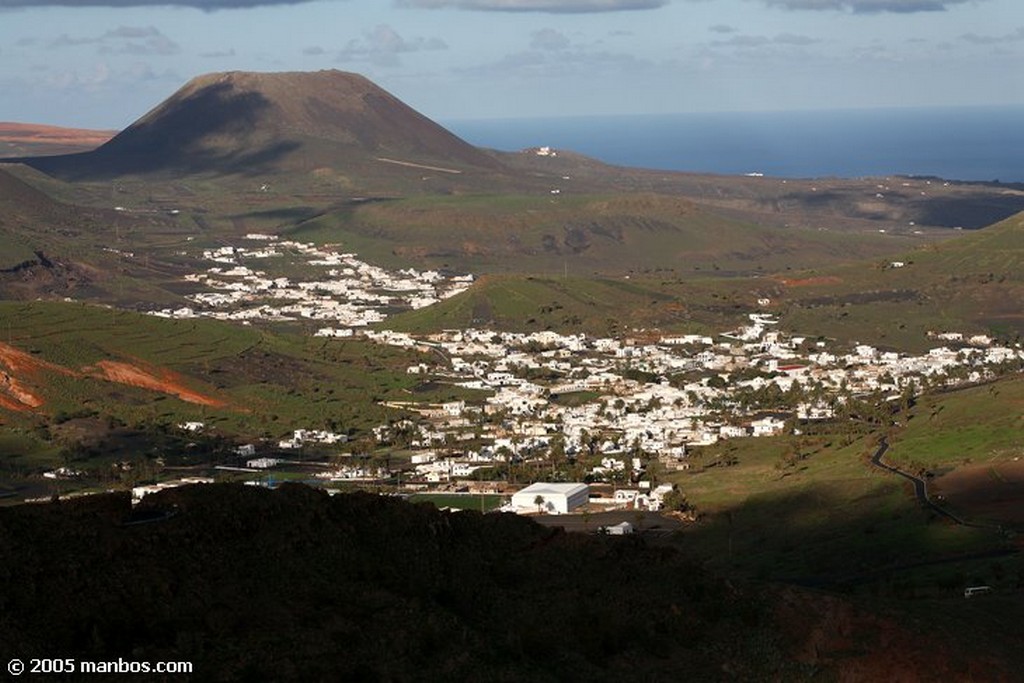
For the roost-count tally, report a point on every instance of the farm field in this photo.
(479, 503)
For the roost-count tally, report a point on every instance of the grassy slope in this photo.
(14, 250)
(581, 234)
(974, 283)
(976, 425)
(271, 383)
(529, 303)
(830, 516)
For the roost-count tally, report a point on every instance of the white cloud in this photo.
(976, 39)
(218, 54)
(383, 46)
(553, 6)
(869, 6)
(124, 40)
(206, 5)
(759, 41)
(549, 39)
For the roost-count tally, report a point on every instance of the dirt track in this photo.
(812, 281)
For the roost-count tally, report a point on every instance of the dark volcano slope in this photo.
(249, 123)
(250, 584)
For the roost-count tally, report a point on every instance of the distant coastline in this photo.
(955, 143)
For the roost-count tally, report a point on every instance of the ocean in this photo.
(962, 143)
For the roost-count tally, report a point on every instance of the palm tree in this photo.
(539, 502)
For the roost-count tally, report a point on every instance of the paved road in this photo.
(921, 489)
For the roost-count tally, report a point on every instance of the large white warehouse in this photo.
(556, 499)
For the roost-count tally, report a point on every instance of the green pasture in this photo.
(974, 425)
(480, 503)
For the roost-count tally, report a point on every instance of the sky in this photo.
(104, 63)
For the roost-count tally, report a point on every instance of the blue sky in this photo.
(104, 63)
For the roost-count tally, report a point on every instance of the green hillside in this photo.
(981, 424)
(86, 378)
(581, 235)
(529, 303)
(974, 283)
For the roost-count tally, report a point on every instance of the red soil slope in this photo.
(161, 380)
(20, 379)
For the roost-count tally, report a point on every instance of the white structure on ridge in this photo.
(556, 499)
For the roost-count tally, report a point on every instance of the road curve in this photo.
(921, 489)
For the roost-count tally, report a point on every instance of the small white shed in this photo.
(620, 529)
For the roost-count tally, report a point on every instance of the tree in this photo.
(556, 454)
(539, 502)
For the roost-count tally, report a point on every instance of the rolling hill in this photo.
(970, 284)
(30, 139)
(51, 245)
(583, 233)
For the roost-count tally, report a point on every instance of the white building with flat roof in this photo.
(557, 499)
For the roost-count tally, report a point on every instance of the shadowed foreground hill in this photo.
(245, 123)
(293, 585)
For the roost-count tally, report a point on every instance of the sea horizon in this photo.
(966, 143)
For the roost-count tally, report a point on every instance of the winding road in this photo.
(921, 489)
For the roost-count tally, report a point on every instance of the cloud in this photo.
(869, 6)
(132, 32)
(759, 41)
(552, 6)
(124, 40)
(218, 54)
(1014, 37)
(794, 39)
(64, 40)
(743, 41)
(574, 63)
(383, 46)
(722, 28)
(147, 41)
(99, 75)
(549, 39)
(205, 5)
